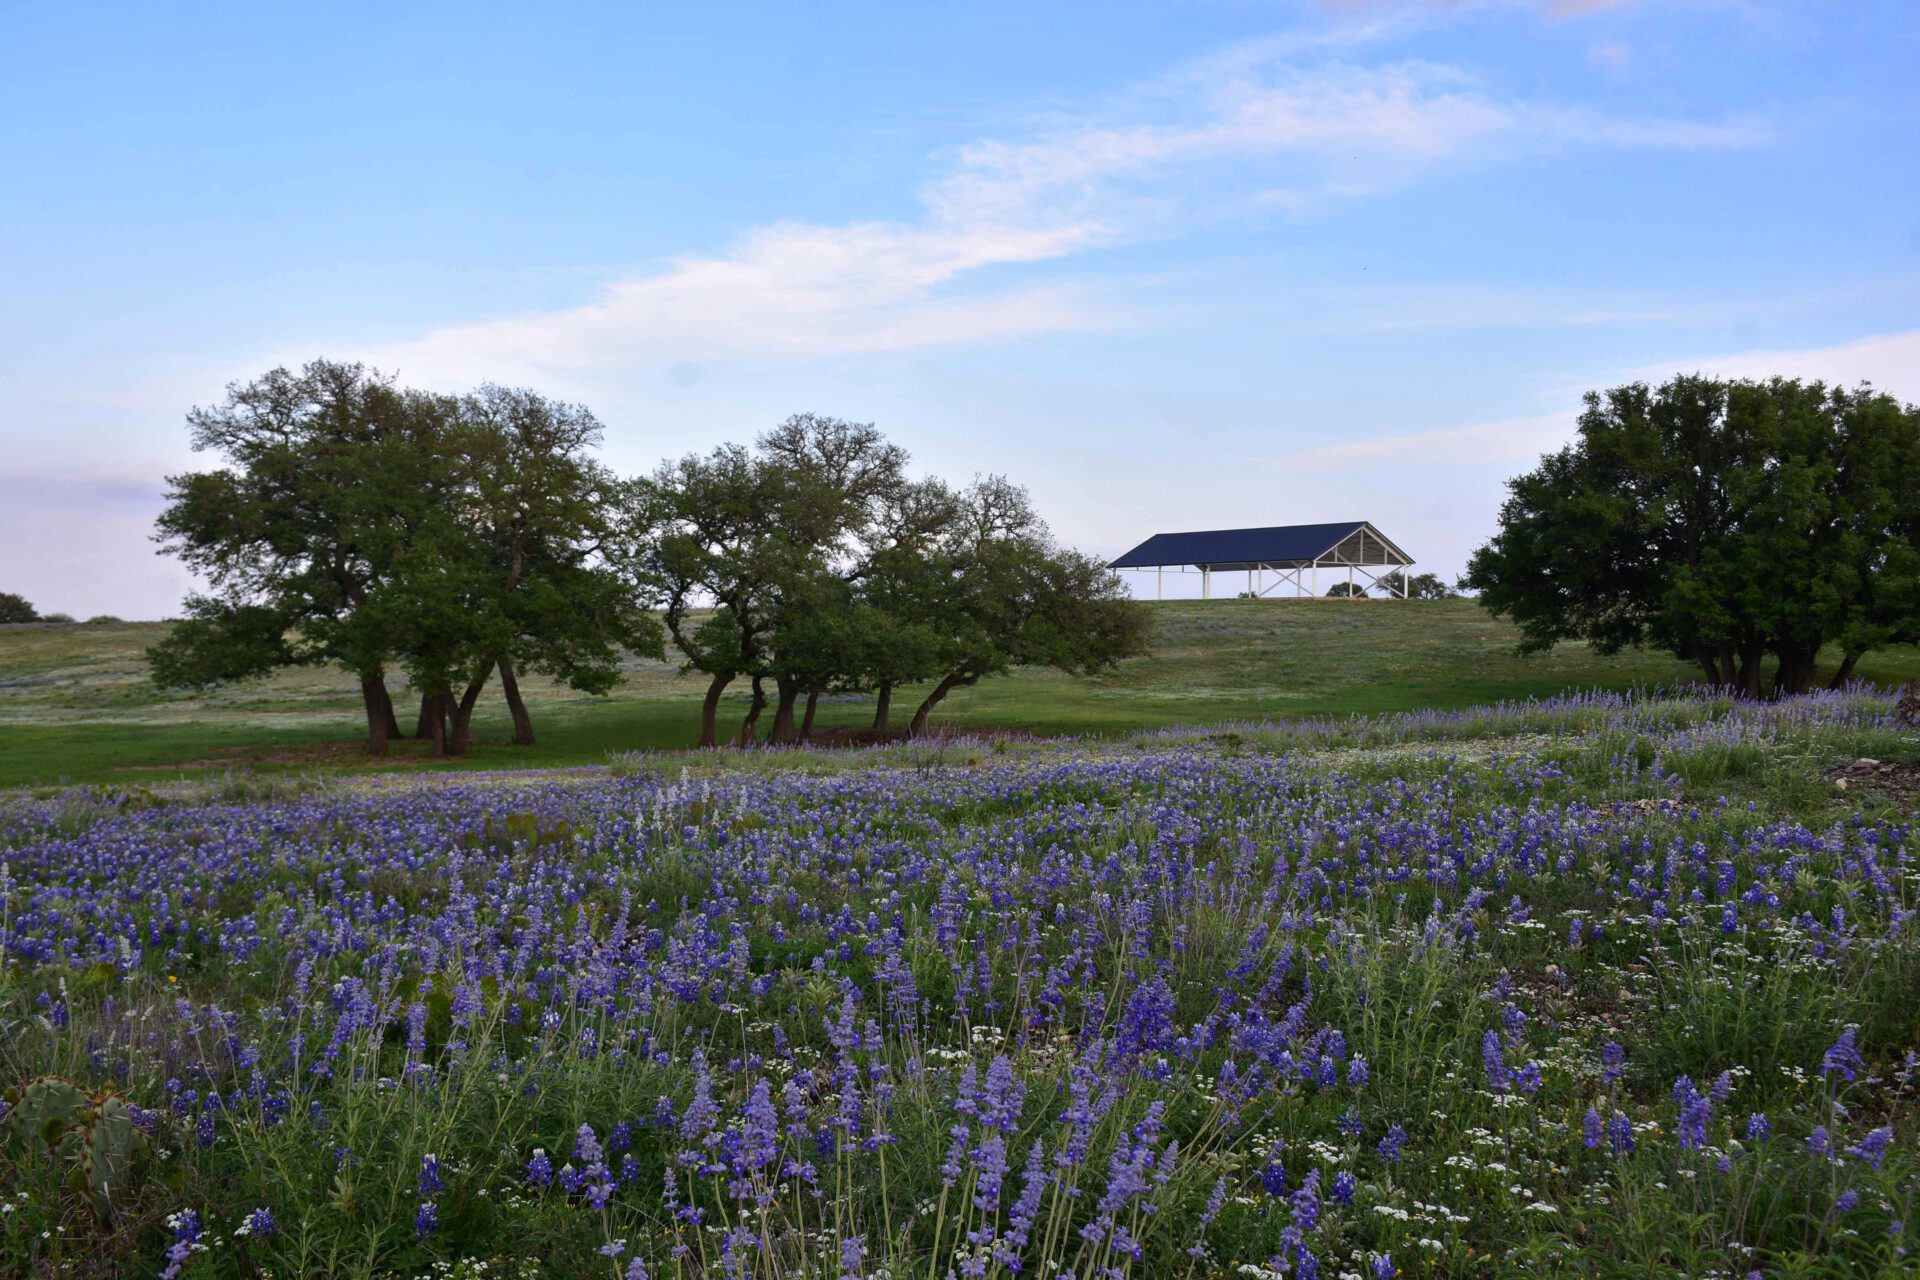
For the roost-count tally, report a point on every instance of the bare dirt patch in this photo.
(1898, 782)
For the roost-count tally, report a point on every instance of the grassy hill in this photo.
(75, 703)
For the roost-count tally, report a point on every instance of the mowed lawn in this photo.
(76, 704)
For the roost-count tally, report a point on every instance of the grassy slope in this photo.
(75, 703)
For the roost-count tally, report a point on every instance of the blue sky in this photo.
(1184, 265)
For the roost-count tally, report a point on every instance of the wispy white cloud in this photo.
(1275, 122)
(1508, 440)
(1890, 361)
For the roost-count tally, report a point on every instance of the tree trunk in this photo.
(434, 710)
(806, 723)
(754, 708)
(1795, 673)
(386, 709)
(522, 722)
(423, 725)
(373, 691)
(1712, 667)
(946, 686)
(1845, 671)
(882, 709)
(783, 731)
(1752, 654)
(463, 714)
(710, 710)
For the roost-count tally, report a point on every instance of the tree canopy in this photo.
(1728, 522)
(813, 563)
(1420, 586)
(358, 523)
(446, 538)
(16, 608)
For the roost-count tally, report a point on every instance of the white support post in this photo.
(1206, 583)
(1159, 582)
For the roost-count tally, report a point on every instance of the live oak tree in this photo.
(15, 608)
(1727, 522)
(739, 546)
(812, 563)
(1421, 586)
(900, 590)
(360, 523)
(836, 483)
(1001, 595)
(356, 522)
(533, 516)
(325, 471)
(694, 540)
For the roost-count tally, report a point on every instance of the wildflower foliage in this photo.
(1498, 992)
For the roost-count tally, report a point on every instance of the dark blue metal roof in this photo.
(1238, 546)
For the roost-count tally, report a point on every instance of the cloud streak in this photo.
(1280, 122)
(1890, 361)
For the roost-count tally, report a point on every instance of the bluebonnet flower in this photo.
(990, 1170)
(1593, 1129)
(1842, 1057)
(1513, 1020)
(701, 1115)
(1306, 1202)
(426, 1220)
(1846, 1201)
(760, 1136)
(1344, 1187)
(956, 1152)
(1390, 1145)
(1495, 1063)
(430, 1176)
(259, 1223)
(1613, 1061)
(1873, 1148)
(1620, 1134)
(1757, 1127)
(186, 1232)
(1818, 1142)
(1026, 1209)
(1696, 1109)
(540, 1169)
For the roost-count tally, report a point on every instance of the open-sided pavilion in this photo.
(1294, 553)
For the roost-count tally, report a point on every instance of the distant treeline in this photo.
(448, 538)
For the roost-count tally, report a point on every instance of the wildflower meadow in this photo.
(1600, 986)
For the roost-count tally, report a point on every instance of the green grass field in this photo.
(76, 706)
